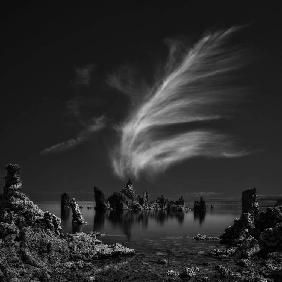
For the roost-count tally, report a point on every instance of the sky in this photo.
(76, 79)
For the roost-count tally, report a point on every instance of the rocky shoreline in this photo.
(33, 247)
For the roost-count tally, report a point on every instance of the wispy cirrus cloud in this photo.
(195, 89)
(75, 108)
(96, 125)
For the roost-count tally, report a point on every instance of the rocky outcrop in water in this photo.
(65, 200)
(100, 201)
(200, 206)
(263, 228)
(128, 191)
(256, 236)
(77, 217)
(249, 202)
(33, 247)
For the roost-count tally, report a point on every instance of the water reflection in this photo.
(65, 213)
(99, 220)
(200, 216)
(148, 224)
(125, 220)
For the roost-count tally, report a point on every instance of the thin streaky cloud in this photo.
(96, 125)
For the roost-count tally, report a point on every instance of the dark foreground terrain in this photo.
(33, 248)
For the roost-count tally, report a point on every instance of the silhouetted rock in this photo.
(100, 200)
(65, 206)
(200, 206)
(12, 179)
(271, 238)
(117, 202)
(249, 202)
(268, 218)
(65, 200)
(162, 202)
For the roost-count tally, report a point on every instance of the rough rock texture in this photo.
(254, 238)
(263, 227)
(271, 238)
(77, 217)
(12, 179)
(128, 191)
(249, 202)
(241, 229)
(33, 248)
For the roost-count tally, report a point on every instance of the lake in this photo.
(140, 229)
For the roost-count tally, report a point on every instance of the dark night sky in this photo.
(43, 46)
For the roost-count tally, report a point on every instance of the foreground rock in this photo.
(33, 247)
(263, 229)
(255, 239)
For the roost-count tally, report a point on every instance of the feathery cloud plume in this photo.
(194, 89)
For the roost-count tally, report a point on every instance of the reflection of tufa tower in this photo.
(12, 179)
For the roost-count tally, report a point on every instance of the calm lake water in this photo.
(156, 235)
(132, 227)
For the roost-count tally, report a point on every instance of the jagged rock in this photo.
(249, 202)
(247, 247)
(128, 190)
(12, 179)
(172, 273)
(245, 225)
(240, 230)
(33, 248)
(271, 238)
(101, 204)
(77, 217)
(268, 218)
(189, 272)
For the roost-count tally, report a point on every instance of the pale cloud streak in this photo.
(197, 89)
(96, 125)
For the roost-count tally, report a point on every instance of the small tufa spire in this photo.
(12, 179)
